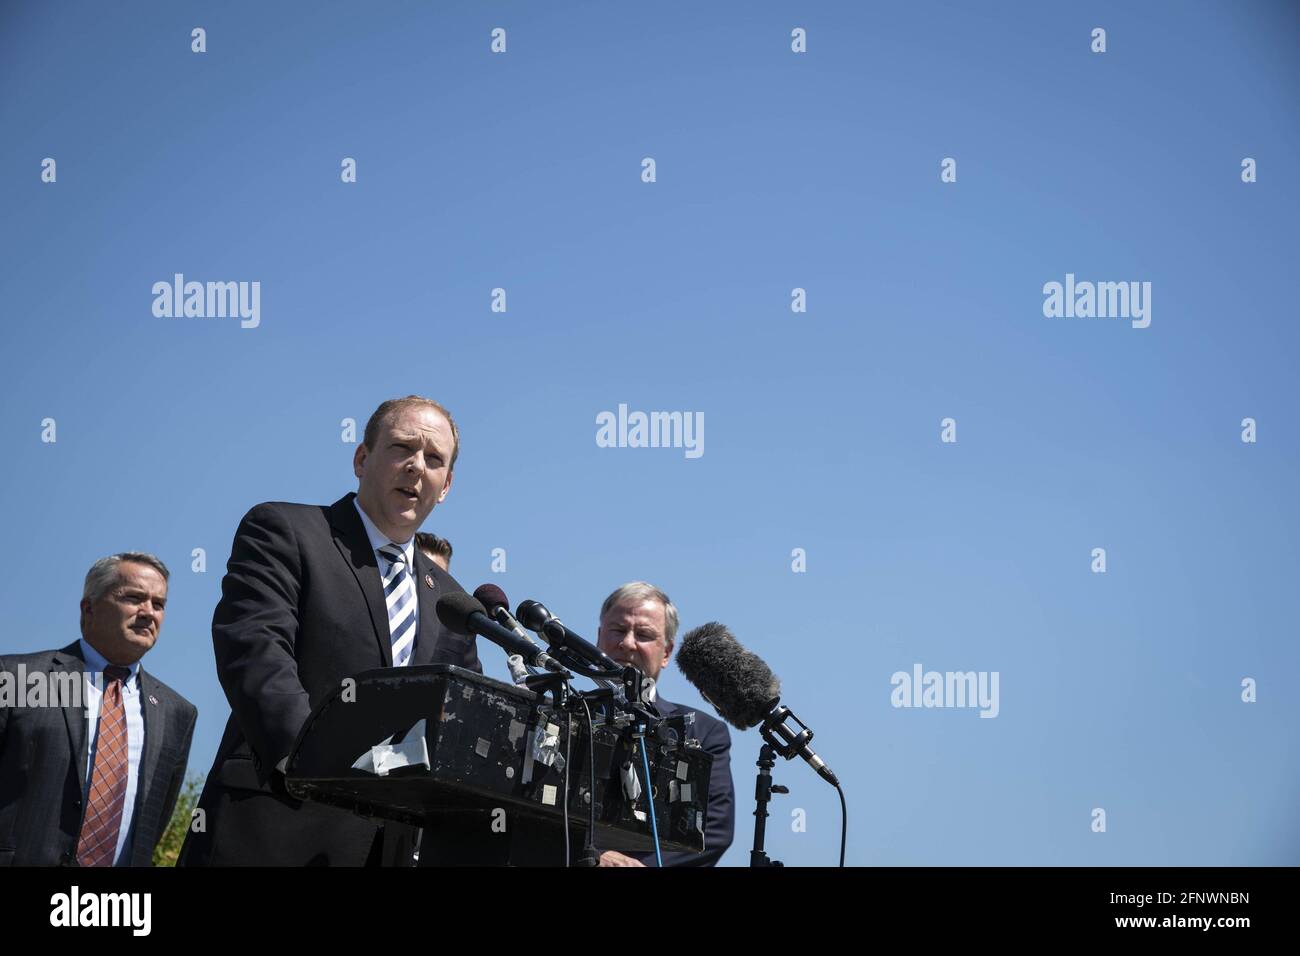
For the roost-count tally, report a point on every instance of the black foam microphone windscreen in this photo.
(454, 609)
(735, 681)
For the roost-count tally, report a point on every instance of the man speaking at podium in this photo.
(314, 594)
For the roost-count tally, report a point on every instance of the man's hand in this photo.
(614, 858)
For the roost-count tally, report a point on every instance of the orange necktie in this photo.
(97, 844)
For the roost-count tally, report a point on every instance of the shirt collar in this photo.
(96, 662)
(377, 538)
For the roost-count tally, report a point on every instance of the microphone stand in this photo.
(568, 700)
(763, 790)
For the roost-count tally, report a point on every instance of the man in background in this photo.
(436, 549)
(638, 625)
(91, 768)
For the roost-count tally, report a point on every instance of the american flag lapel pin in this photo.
(428, 581)
(153, 700)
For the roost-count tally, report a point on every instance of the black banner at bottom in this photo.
(372, 906)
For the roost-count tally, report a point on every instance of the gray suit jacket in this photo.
(43, 765)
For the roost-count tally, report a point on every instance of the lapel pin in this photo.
(428, 581)
(153, 700)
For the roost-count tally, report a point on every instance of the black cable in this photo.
(591, 771)
(844, 823)
(568, 744)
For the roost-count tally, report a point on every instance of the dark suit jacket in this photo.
(43, 766)
(720, 820)
(302, 608)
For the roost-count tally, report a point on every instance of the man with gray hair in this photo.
(93, 748)
(638, 625)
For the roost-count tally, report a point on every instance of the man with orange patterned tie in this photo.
(93, 749)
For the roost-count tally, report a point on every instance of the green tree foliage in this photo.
(169, 847)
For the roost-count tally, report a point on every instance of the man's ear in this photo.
(85, 614)
(668, 651)
(359, 459)
(447, 487)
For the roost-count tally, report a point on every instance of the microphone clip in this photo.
(556, 684)
(776, 731)
(791, 743)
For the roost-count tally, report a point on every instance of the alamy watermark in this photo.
(923, 688)
(208, 300)
(651, 430)
(75, 908)
(21, 688)
(1098, 300)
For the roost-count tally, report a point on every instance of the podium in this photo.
(494, 773)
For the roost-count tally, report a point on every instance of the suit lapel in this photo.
(153, 709)
(428, 592)
(69, 660)
(351, 540)
(666, 708)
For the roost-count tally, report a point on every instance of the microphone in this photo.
(745, 692)
(497, 606)
(534, 616)
(464, 614)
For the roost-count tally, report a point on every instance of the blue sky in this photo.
(775, 170)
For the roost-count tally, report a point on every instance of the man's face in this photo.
(124, 623)
(632, 632)
(406, 473)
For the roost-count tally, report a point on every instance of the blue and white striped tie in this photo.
(399, 593)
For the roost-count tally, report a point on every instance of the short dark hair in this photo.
(432, 544)
(381, 414)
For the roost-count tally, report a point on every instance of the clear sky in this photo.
(774, 170)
